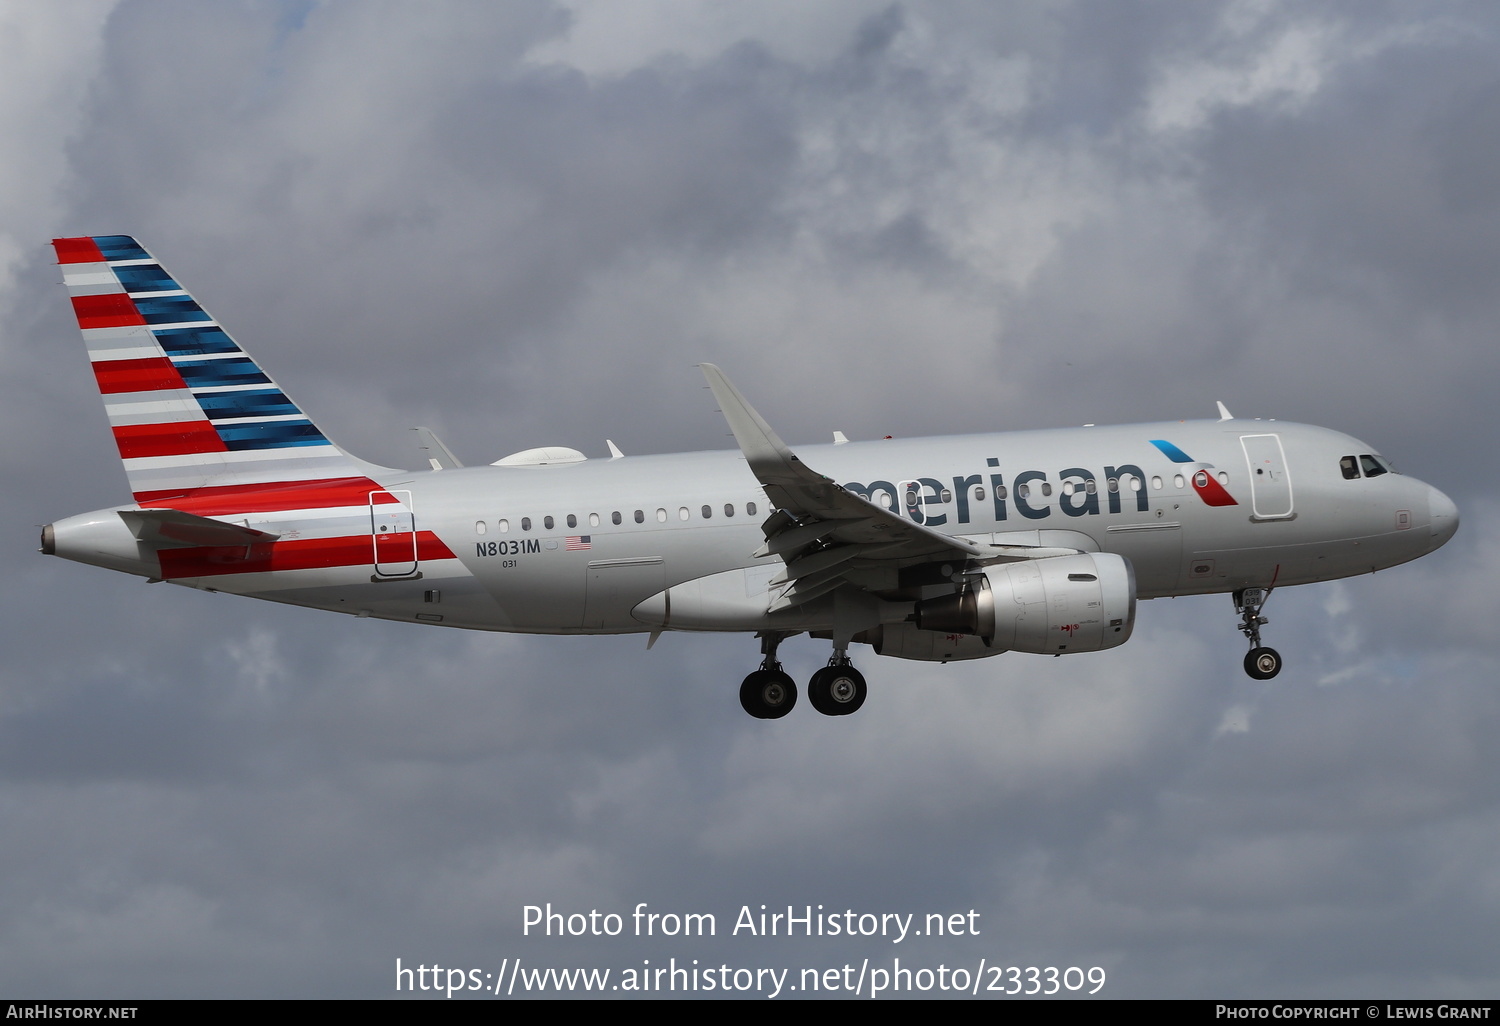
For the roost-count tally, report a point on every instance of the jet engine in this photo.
(1080, 603)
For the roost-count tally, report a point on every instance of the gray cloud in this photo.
(523, 225)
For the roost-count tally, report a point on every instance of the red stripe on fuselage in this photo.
(181, 438)
(111, 310)
(224, 500)
(77, 251)
(292, 554)
(151, 374)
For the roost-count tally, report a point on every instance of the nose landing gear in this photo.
(1261, 663)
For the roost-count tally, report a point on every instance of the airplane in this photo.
(931, 549)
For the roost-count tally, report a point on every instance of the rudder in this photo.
(188, 408)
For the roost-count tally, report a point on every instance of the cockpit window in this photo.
(1374, 466)
(1350, 466)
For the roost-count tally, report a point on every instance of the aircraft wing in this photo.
(828, 536)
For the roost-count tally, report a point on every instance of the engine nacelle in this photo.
(1082, 603)
(907, 641)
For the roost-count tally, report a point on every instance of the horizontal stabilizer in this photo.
(172, 529)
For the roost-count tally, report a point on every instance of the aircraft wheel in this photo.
(768, 694)
(1263, 663)
(837, 690)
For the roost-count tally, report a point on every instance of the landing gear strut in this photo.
(838, 689)
(1261, 663)
(768, 693)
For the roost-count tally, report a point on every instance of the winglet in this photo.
(438, 454)
(760, 444)
(1224, 413)
(614, 450)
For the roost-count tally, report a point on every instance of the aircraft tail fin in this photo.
(188, 408)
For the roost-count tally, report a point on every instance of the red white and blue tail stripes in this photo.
(188, 408)
(204, 432)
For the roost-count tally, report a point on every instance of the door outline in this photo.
(393, 535)
(1270, 479)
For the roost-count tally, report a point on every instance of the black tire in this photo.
(817, 692)
(768, 694)
(1262, 663)
(837, 690)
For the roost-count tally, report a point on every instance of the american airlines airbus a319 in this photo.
(932, 549)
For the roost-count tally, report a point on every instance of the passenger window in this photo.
(547, 522)
(661, 516)
(480, 527)
(572, 520)
(729, 509)
(1023, 492)
(708, 512)
(594, 520)
(525, 523)
(1349, 467)
(1177, 482)
(1046, 487)
(615, 518)
(505, 527)
(1114, 484)
(946, 496)
(1067, 487)
(683, 514)
(1223, 478)
(979, 493)
(1090, 487)
(640, 516)
(749, 509)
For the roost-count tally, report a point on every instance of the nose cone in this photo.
(1442, 515)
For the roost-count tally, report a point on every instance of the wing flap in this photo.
(825, 533)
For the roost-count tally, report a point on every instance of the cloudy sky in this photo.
(522, 224)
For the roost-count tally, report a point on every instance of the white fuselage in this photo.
(643, 526)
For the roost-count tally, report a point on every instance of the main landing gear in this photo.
(838, 689)
(768, 693)
(1260, 662)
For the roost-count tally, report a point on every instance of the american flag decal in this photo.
(579, 543)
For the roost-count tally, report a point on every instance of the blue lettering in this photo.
(1085, 498)
(1022, 507)
(961, 490)
(933, 497)
(997, 483)
(919, 498)
(873, 489)
(1118, 480)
